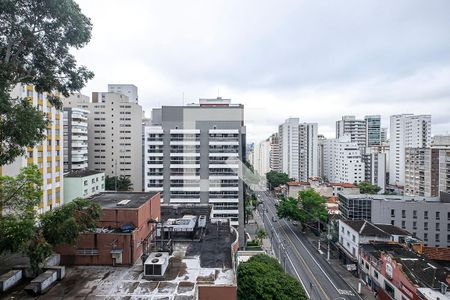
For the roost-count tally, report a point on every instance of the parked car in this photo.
(274, 219)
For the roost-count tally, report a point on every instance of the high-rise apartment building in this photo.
(275, 164)
(129, 90)
(298, 149)
(366, 133)
(320, 144)
(375, 164)
(373, 130)
(342, 161)
(407, 131)
(261, 160)
(354, 128)
(47, 155)
(193, 155)
(425, 168)
(75, 139)
(115, 134)
(384, 134)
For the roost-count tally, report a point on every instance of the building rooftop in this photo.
(122, 199)
(344, 184)
(367, 228)
(393, 198)
(297, 183)
(419, 270)
(82, 173)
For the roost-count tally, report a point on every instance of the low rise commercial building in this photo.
(127, 224)
(426, 218)
(352, 234)
(83, 183)
(395, 272)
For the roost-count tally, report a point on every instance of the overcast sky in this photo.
(316, 60)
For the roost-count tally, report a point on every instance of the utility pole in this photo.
(318, 231)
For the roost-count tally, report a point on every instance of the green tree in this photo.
(123, 183)
(64, 224)
(260, 235)
(262, 277)
(35, 42)
(275, 179)
(309, 207)
(20, 230)
(18, 198)
(368, 188)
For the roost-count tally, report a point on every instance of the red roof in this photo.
(297, 183)
(344, 185)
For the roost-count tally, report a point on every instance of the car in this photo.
(274, 219)
(295, 223)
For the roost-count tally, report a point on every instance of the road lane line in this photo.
(301, 258)
(313, 258)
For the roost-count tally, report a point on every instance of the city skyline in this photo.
(318, 71)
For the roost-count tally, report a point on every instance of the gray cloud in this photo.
(316, 60)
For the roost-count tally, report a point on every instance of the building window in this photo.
(403, 213)
(392, 213)
(425, 236)
(425, 215)
(342, 229)
(85, 182)
(438, 228)
(437, 237)
(438, 215)
(414, 214)
(425, 225)
(414, 225)
(403, 224)
(353, 238)
(375, 273)
(392, 222)
(448, 216)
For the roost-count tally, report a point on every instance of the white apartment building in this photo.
(129, 90)
(275, 164)
(320, 144)
(342, 161)
(376, 166)
(298, 146)
(48, 155)
(354, 128)
(407, 131)
(75, 139)
(115, 134)
(193, 156)
(261, 159)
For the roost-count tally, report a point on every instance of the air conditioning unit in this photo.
(156, 264)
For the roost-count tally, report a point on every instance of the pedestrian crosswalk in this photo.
(346, 292)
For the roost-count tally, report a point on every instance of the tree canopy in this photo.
(308, 207)
(123, 183)
(262, 277)
(275, 179)
(35, 42)
(368, 188)
(23, 230)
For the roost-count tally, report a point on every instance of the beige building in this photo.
(427, 169)
(48, 155)
(115, 134)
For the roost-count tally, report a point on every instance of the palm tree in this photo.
(260, 235)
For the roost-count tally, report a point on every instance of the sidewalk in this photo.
(336, 264)
(266, 244)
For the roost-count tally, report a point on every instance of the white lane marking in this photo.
(287, 255)
(323, 271)
(346, 292)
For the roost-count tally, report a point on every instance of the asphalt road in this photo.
(301, 259)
